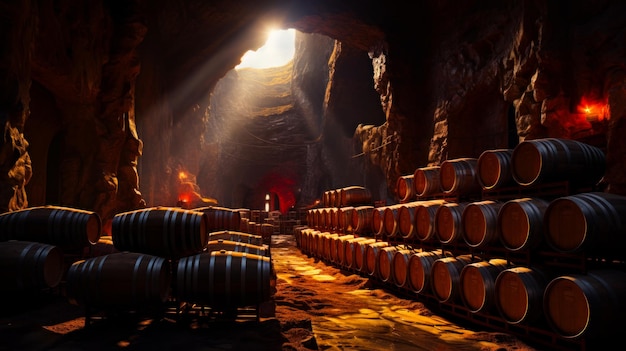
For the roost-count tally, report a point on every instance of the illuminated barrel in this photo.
(378, 222)
(124, 280)
(55, 225)
(236, 236)
(406, 219)
(519, 294)
(425, 219)
(223, 279)
(419, 270)
(478, 284)
(405, 189)
(426, 181)
(449, 222)
(445, 277)
(160, 231)
(344, 219)
(458, 176)
(390, 221)
(352, 249)
(384, 259)
(520, 223)
(370, 258)
(494, 169)
(338, 251)
(400, 266)
(354, 195)
(237, 246)
(480, 223)
(221, 218)
(29, 266)
(362, 219)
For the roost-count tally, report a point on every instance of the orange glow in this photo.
(593, 110)
(182, 176)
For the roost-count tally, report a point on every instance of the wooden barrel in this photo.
(449, 222)
(327, 239)
(419, 270)
(406, 219)
(370, 259)
(344, 219)
(383, 268)
(390, 221)
(338, 249)
(362, 219)
(354, 195)
(494, 169)
(223, 279)
(400, 266)
(519, 294)
(233, 235)
(552, 159)
(222, 218)
(237, 246)
(458, 176)
(332, 198)
(378, 222)
(426, 181)
(445, 277)
(351, 248)
(478, 284)
(55, 225)
(588, 305)
(160, 231)
(314, 242)
(124, 280)
(27, 266)
(592, 221)
(425, 219)
(480, 223)
(405, 189)
(520, 223)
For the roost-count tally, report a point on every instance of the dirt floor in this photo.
(315, 307)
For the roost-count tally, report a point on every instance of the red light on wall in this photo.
(593, 111)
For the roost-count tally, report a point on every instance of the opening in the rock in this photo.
(277, 51)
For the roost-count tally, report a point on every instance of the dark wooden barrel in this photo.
(425, 219)
(419, 270)
(223, 279)
(237, 246)
(362, 219)
(400, 266)
(593, 221)
(551, 159)
(405, 189)
(449, 222)
(478, 284)
(27, 266)
(384, 268)
(588, 305)
(161, 231)
(445, 277)
(391, 227)
(236, 236)
(480, 223)
(65, 227)
(370, 264)
(494, 169)
(354, 195)
(378, 222)
(519, 294)
(426, 181)
(520, 223)
(458, 177)
(344, 219)
(124, 280)
(222, 218)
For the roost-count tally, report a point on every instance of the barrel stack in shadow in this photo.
(523, 240)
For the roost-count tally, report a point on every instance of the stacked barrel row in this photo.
(502, 259)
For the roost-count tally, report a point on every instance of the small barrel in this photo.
(519, 294)
(480, 223)
(551, 159)
(236, 236)
(65, 227)
(161, 231)
(458, 176)
(123, 280)
(520, 223)
(593, 221)
(370, 258)
(354, 195)
(419, 270)
(400, 266)
(588, 305)
(478, 284)
(223, 279)
(425, 219)
(449, 222)
(354, 251)
(494, 169)
(445, 277)
(405, 189)
(237, 246)
(384, 268)
(29, 266)
(362, 219)
(426, 181)
(222, 218)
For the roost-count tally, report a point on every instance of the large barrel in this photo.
(449, 222)
(426, 181)
(519, 294)
(233, 235)
(29, 266)
(592, 221)
(362, 219)
(353, 196)
(55, 225)
(478, 284)
(223, 280)
(551, 159)
(420, 268)
(123, 280)
(221, 218)
(520, 223)
(445, 277)
(494, 169)
(425, 219)
(588, 305)
(161, 231)
(405, 189)
(458, 176)
(480, 223)
(237, 246)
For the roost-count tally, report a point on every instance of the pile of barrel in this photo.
(519, 240)
(155, 256)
